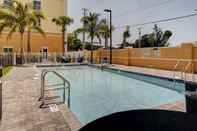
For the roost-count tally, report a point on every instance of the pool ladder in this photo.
(183, 71)
(50, 90)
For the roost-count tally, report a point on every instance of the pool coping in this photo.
(60, 65)
(112, 67)
(70, 118)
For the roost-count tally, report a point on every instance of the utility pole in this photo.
(140, 35)
(84, 14)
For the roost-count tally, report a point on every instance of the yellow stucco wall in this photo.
(52, 41)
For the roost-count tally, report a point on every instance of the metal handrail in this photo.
(43, 75)
(186, 69)
(183, 70)
(175, 68)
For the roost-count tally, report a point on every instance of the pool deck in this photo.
(21, 112)
(156, 72)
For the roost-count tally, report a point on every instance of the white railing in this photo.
(36, 58)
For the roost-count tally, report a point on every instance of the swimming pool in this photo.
(96, 93)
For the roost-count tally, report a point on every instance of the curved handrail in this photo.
(186, 69)
(177, 64)
(175, 68)
(43, 75)
(183, 70)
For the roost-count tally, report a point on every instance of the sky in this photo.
(132, 12)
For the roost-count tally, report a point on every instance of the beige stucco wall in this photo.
(160, 58)
(51, 8)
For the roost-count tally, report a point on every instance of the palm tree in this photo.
(14, 17)
(105, 31)
(34, 18)
(74, 44)
(63, 21)
(126, 35)
(19, 17)
(91, 23)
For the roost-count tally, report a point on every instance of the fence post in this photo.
(129, 56)
(1, 100)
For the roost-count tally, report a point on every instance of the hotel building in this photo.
(52, 42)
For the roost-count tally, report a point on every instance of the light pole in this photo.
(84, 14)
(140, 36)
(110, 13)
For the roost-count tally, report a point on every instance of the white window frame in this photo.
(36, 7)
(8, 47)
(7, 2)
(45, 55)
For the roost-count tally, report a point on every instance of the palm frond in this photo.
(81, 30)
(40, 30)
(63, 21)
(12, 30)
(7, 16)
(39, 14)
(3, 26)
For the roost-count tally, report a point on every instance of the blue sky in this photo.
(131, 12)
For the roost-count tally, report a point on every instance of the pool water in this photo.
(96, 93)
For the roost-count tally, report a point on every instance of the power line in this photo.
(125, 13)
(159, 21)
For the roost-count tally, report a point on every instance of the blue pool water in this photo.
(96, 93)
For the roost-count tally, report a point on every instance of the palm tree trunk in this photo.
(22, 48)
(91, 60)
(124, 42)
(28, 42)
(106, 42)
(100, 42)
(63, 42)
(28, 45)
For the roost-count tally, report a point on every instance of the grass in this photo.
(6, 70)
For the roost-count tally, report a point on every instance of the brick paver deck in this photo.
(21, 110)
(158, 72)
(177, 106)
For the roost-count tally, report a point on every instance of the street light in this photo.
(110, 13)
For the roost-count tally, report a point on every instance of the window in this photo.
(8, 50)
(37, 5)
(7, 2)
